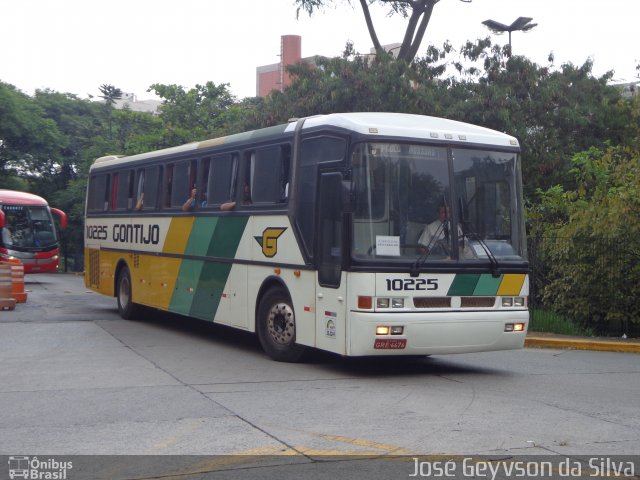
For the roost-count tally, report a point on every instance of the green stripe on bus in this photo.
(183, 295)
(200, 284)
(226, 237)
(463, 284)
(487, 285)
(224, 241)
(201, 234)
(206, 299)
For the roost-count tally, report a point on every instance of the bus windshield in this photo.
(435, 204)
(28, 228)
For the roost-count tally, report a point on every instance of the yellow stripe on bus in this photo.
(511, 284)
(178, 235)
(155, 277)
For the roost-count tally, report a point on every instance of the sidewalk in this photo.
(552, 340)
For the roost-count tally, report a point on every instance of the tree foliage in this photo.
(591, 239)
(30, 143)
(110, 93)
(555, 112)
(193, 114)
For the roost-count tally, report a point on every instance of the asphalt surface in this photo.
(77, 379)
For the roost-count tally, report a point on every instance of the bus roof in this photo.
(413, 126)
(11, 197)
(385, 124)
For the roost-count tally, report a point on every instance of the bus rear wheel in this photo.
(276, 327)
(126, 308)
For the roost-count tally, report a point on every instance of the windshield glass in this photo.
(407, 206)
(28, 227)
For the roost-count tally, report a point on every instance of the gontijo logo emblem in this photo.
(269, 240)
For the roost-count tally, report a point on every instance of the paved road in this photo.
(76, 379)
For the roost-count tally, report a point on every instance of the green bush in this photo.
(548, 321)
(590, 242)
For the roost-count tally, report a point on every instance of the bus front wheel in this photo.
(126, 308)
(276, 327)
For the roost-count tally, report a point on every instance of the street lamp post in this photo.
(520, 24)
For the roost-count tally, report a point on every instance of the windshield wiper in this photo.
(420, 261)
(470, 232)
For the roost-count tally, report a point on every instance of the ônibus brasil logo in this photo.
(34, 468)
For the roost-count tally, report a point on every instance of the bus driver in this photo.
(436, 231)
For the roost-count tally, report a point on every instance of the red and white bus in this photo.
(27, 231)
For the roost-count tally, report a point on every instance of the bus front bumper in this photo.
(436, 333)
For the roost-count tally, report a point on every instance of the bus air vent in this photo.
(477, 302)
(432, 302)
(94, 268)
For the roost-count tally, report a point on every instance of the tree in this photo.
(194, 114)
(554, 112)
(78, 121)
(30, 143)
(356, 83)
(110, 94)
(416, 12)
(591, 240)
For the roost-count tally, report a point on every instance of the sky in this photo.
(75, 46)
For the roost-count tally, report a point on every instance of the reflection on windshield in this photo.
(408, 207)
(28, 227)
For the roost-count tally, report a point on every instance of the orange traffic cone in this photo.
(7, 302)
(17, 280)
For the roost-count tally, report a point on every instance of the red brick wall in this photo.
(276, 78)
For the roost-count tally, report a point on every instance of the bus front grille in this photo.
(477, 302)
(432, 302)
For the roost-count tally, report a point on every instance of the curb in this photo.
(583, 344)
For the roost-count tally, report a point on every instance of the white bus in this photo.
(357, 233)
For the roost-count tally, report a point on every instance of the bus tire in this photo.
(124, 293)
(276, 327)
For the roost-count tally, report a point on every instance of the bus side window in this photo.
(114, 191)
(180, 182)
(168, 185)
(140, 190)
(132, 182)
(222, 179)
(152, 187)
(268, 174)
(124, 194)
(148, 188)
(285, 173)
(99, 193)
(203, 182)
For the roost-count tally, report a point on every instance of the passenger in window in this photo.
(140, 202)
(285, 193)
(191, 201)
(246, 194)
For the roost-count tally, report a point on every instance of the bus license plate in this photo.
(390, 344)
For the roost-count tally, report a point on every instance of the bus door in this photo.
(331, 286)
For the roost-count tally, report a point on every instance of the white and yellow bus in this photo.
(316, 234)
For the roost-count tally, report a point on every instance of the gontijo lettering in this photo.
(126, 233)
(136, 233)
